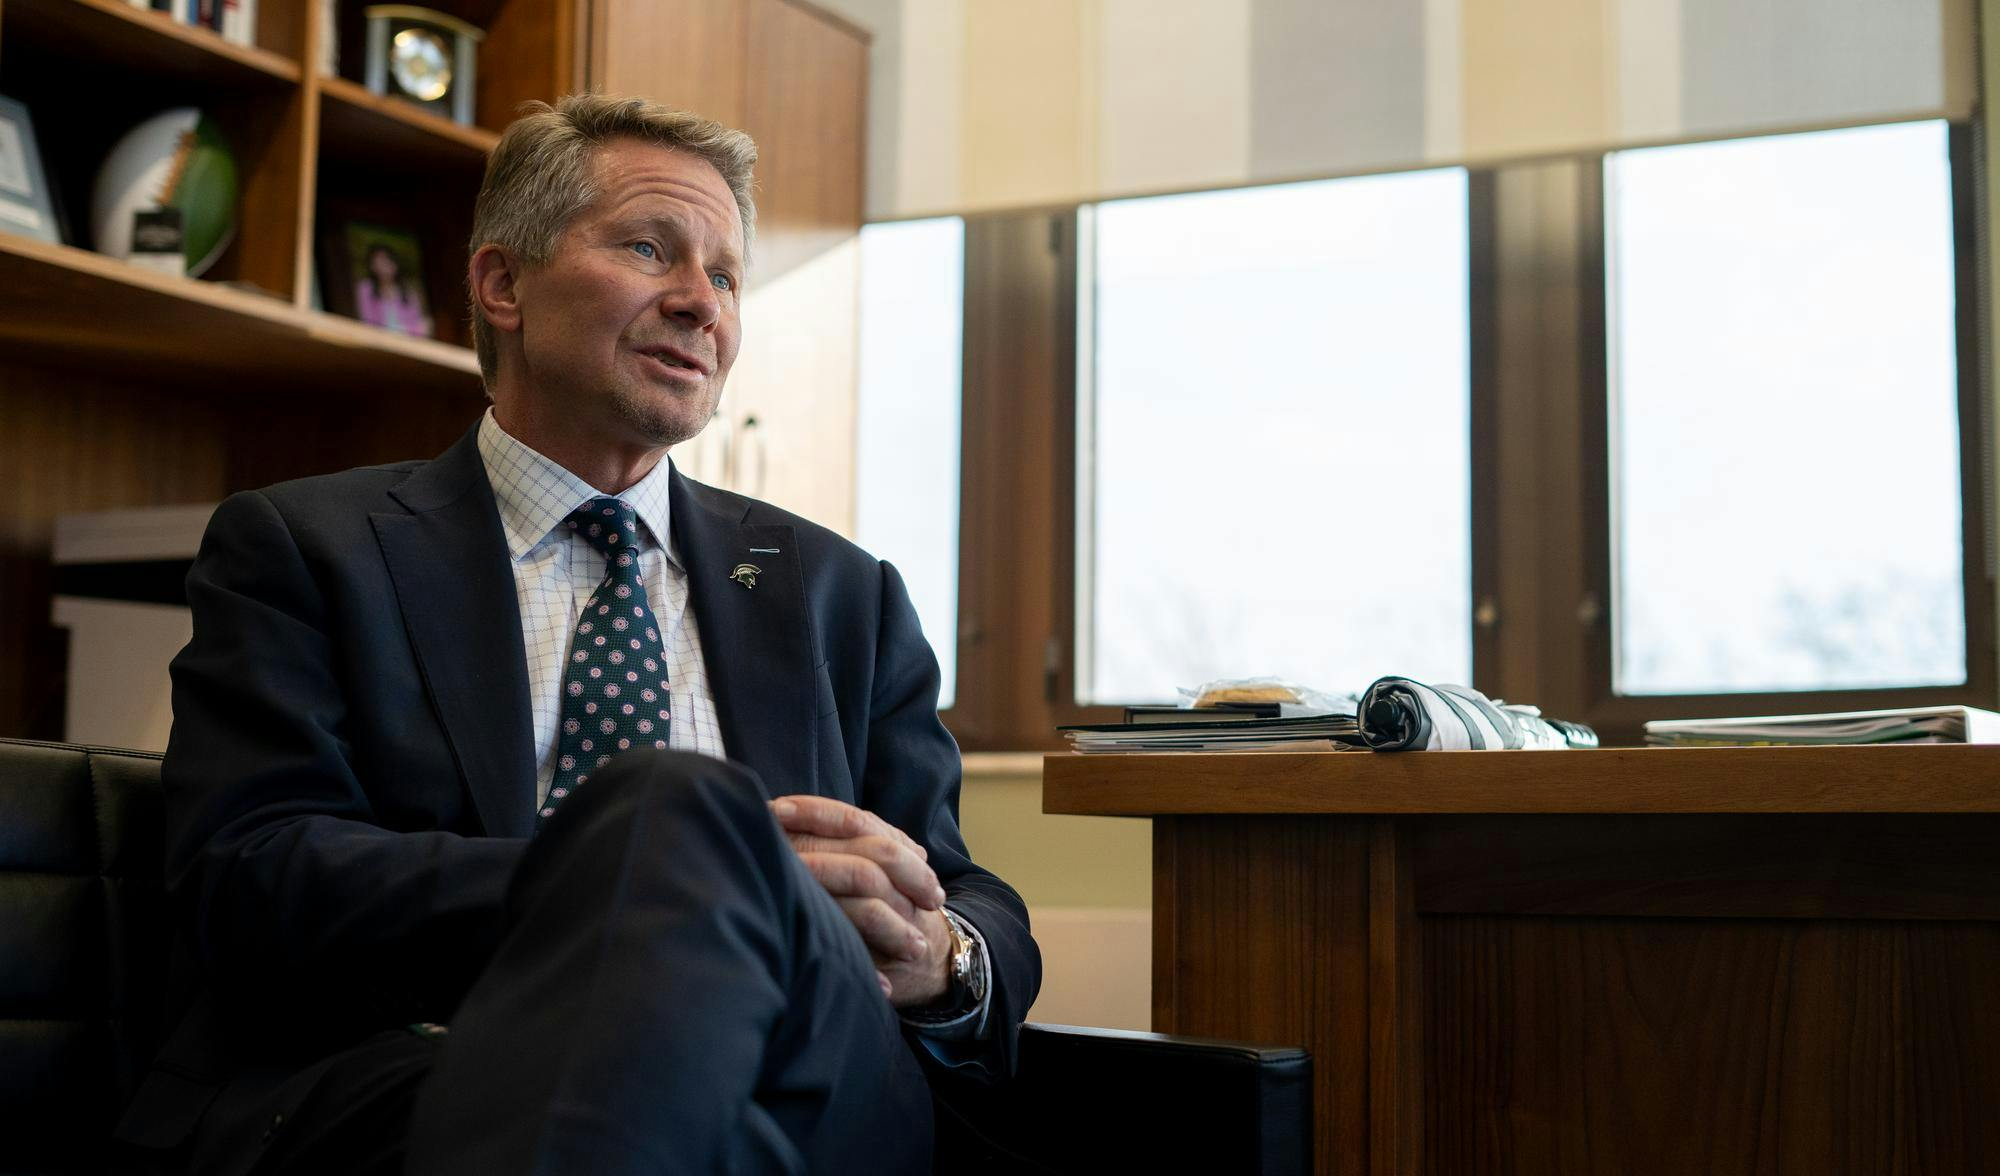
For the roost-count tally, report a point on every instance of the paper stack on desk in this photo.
(1332, 732)
(1921, 724)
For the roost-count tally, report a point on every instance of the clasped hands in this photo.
(884, 884)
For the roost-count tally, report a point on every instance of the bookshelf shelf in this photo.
(62, 306)
(114, 34)
(355, 122)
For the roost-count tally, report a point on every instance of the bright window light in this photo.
(1277, 449)
(1785, 414)
(912, 322)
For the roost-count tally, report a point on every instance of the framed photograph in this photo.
(375, 273)
(26, 203)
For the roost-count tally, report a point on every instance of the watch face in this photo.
(421, 63)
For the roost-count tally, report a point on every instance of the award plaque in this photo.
(25, 203)
(424, 57)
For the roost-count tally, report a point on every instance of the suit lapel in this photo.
(756, 641)
(455, 584)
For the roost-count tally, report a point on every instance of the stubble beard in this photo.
(664, 418)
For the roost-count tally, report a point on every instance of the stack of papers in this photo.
(1924, 724)
(1308, 733)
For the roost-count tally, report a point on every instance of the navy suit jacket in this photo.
(351, 776)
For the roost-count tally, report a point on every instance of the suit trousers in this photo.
(674, 992)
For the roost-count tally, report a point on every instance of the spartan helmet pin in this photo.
(746, 574)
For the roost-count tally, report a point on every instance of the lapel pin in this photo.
(746, 574)
(763, 551)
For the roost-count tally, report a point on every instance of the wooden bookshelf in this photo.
(63, 307)
(124, 388)
(354, 120)
(117, 35)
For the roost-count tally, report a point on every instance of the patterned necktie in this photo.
(615, 685)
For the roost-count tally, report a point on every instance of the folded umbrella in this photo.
(1400, 714)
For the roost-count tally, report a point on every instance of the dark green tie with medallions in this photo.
(615, 684)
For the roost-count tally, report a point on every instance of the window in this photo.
(1673, 432)
(907, 463)
(1785, 446)
(1273, 437)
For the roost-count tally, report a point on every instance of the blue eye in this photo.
(723, 281)
(645, 249)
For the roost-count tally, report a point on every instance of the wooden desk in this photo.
(1681, 961)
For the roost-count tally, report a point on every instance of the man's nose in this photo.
(692, 298)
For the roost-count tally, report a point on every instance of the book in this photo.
(239, 21)
(1234, 712)
(1304, 733)
(1922, 724)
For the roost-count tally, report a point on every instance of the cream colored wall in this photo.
(992, 104)
(1088, 884)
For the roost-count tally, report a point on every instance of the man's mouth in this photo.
(670, 358)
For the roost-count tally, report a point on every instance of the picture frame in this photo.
(27, 202)
(375, 273)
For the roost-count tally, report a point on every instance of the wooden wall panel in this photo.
(687, 53)
(805, 102)
(70, 442)
(794, 391)
(1579, 1045)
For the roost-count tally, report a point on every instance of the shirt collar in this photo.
(535, 494)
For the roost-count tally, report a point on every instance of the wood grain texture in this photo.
(530, 53)
(1668, 1046)
(806, 105)
(151, 43)
(1011, 378)
(1269, 935)
(1616, 992)
(1812, 866)
(1395, 1004)
(396, 134)
(1937, 778)
(686, 53)
(93, 314)
(275, 140)
(73, 442)
(794, 393)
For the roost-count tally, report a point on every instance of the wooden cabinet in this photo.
(1648, 961)
(795, 78)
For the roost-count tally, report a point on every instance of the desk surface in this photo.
(1921, 778)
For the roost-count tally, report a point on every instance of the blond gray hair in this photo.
(541, 175)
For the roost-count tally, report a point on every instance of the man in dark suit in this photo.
(535, 809)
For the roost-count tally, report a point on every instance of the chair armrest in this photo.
(1109, 1100)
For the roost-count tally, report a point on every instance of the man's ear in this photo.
(493, 278)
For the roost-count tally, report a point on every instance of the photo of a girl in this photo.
(385, 268)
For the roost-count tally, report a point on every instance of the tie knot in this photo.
(610, 524)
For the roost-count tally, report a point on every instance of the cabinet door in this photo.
(793, 394)
(796, 80)
(686, 53)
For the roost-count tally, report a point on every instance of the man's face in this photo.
(629, 330)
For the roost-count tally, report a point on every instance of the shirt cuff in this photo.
(963, 1021)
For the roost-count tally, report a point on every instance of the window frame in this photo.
(1540, 476)
(1621, 718)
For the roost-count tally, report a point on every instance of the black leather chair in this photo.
(84, 940)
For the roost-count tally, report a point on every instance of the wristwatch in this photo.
(968, 973)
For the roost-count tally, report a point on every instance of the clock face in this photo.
(421, 63)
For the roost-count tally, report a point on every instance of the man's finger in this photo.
(846, 876)
(824, 816)
(907, 872)
(889, 935)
